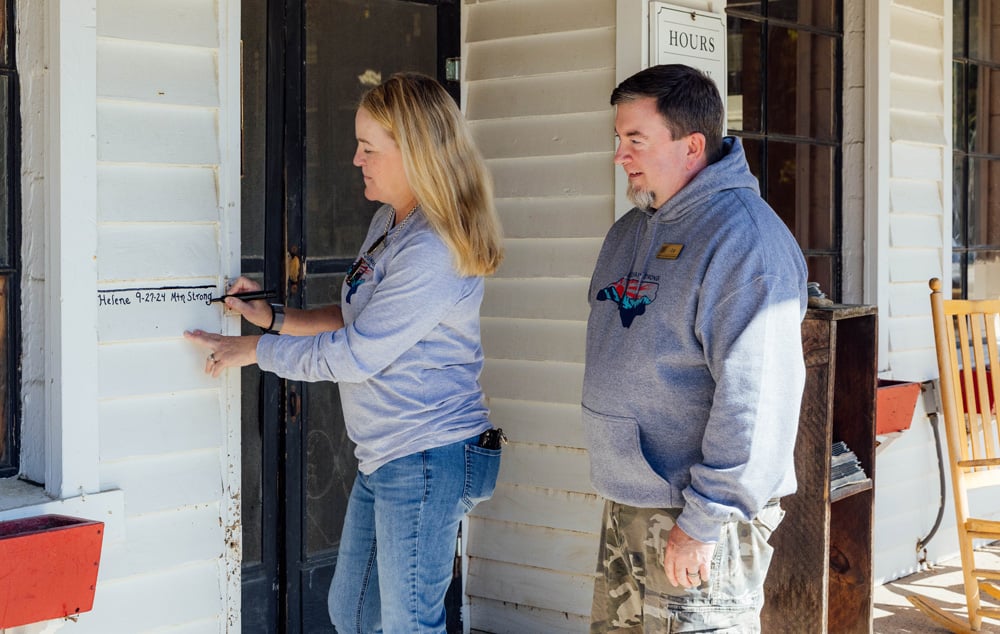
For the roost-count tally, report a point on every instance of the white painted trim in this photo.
(947, 169)
(71, 433)
(230, 113)
(877, 145)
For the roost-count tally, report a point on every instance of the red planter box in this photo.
(895, 401)
(48, 568)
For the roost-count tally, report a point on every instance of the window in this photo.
(976, 184)
(10, 279)
(784, 100)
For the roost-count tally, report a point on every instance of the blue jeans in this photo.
(397, 550)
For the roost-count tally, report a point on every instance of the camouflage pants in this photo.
(632, 594)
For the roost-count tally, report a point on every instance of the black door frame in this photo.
(272, 590)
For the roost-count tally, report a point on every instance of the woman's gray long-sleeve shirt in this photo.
(409, 356)
(694, 369)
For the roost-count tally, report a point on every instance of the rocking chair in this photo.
(965, 335)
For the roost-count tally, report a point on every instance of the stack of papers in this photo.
(844, 467)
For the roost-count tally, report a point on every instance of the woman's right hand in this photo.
(258, 312)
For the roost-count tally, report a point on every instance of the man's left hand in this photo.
(687, 561)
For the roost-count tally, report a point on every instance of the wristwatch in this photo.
(277, 318)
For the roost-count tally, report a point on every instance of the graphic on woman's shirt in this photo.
(631, 295)
(356, 277)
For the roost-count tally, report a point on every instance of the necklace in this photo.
(356, 269)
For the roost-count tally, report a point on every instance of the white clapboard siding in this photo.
(142, 133)
(157, 73)
(538, 76)
(916, 60)
(165, 482)
(536, 546)
(149, 251)
(510, 618)
(175, 423)
(534, 339)
(156, 540)
(152, 368)
(545, 216)
(189, 22)
(579, 512)
(175, 597)
(556, 424)
(175, 309)
(923, 197)
(157, 193)
(537, 298)
(525, 585)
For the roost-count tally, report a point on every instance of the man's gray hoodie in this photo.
(694, 368)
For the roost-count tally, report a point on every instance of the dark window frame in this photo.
(10, 263)
(759, 13)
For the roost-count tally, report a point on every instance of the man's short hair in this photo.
(686, 98)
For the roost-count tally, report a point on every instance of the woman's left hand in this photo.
(224, 352)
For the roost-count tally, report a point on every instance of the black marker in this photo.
(248, 296)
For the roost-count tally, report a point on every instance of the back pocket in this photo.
(481, 469)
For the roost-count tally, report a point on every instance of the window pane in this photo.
(800, 187)
(957, 266)
(4, 169)
(743, 83)
(983, 275)
(801, 91)
(820, 13)
(984, 202)
(4, 40)
(821, 270)
(254, 135)
(754, 149)
(959, 199)
(958, 98)
(983, 102)
(748, 6)
(984, 29)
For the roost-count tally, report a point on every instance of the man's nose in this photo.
(620, 155)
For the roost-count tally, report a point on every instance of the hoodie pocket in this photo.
(618, 468)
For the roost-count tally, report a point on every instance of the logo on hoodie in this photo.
(632, 297)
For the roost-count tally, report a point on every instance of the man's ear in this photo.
(695, 149)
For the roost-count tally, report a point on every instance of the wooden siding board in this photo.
(909, 230)
(915, 27)
(176, 596)
(563, 52)
(545, 466)
(527, 257)
(187, 22)
(536, 546)
(503, 617)
(537, 297)
(141, 133)
(911, 94)
(913, 161)
(140, 71)
(165, 483)
(916, 61)
(911, 333)
(575, 175)
(153, 251)
(545, 135)
(587, 91)
(556, 424)
(908, 300)
(565, 510)
(917, 127)
(156, 320)
(152, 367)
(182, 422)
(152, 193)
(513, 18)
(536, 587)
(533, 380)
(534, 339)
(551, 217)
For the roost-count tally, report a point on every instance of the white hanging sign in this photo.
(684, 36)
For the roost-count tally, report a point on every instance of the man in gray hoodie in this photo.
(694, 369)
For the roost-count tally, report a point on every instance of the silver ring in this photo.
(211, 358)
(693, 575)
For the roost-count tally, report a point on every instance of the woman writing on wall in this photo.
(404, 346)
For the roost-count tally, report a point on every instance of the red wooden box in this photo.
(895, 402)
(48, 567)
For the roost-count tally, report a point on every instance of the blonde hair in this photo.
(443, 167)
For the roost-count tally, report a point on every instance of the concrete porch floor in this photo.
(893, 614)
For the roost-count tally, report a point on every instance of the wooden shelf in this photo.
(821, 572)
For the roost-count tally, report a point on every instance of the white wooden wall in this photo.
(167, 192)
(538, 77)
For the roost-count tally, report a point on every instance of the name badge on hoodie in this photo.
(669, 251)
